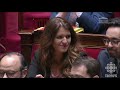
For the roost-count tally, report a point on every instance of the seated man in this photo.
(13, 65)
(85, 67)
(90, 21)
(110, 57)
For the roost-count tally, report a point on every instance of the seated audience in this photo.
(110, 57)
(84, 67)
(13, 65)
(90, 21)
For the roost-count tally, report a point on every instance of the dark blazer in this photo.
(36, 67)
(105, 60)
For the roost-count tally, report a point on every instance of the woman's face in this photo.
(62, 40)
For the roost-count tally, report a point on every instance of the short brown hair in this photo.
(92, 65)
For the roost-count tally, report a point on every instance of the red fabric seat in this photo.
(2, 46)
(116, 14)
(33, 20)
(13, 43)
(93, 52)
(37, 14)
(9, 28)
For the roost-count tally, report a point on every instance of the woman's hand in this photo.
(39, 76)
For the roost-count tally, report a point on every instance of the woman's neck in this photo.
(56, 71)
(58, 58)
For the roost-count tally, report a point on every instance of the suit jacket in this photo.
(108, 65)
(90, 21)
(36, 67)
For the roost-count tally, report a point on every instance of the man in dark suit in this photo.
(90, 21)
(110, 57)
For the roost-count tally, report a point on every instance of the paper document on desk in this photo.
(41, 28)
(78, 30)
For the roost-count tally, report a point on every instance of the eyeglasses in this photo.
(113, 41)
(9, 74)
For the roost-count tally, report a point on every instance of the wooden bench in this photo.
(91, 40)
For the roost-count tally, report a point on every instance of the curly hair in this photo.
(46, 41)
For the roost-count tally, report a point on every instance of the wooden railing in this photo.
(91, 40)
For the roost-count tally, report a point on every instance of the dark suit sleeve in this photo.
(103, 59)
(90, 20)
(34, 66)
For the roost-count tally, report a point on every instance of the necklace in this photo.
(56, 74)
(56, 71)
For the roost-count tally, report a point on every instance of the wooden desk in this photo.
(91, 40)
(26, 43)
(28, 38)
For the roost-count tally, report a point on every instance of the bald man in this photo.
(13, 65)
